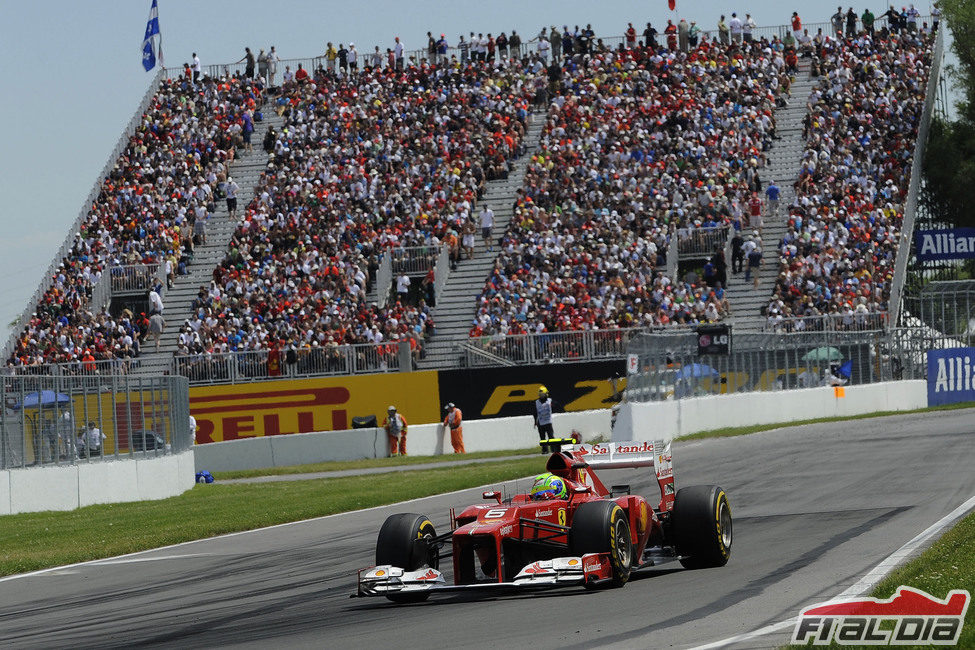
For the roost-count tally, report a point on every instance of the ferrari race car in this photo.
(578, 534)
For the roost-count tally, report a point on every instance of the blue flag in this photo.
(149, 42)
(846, 369)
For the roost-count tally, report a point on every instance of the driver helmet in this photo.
(548, 486)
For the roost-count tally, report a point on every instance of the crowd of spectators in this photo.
(640, 142)
(387, 157)
(837, 257)
(161, 183)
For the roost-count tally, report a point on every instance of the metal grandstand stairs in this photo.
(246, 170)
(454, 312)
(785, 156)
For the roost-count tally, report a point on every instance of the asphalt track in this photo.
(815, 507)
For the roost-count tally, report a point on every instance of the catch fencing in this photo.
(65, 420)
(549, 347)
(261, 365)
(669, 366)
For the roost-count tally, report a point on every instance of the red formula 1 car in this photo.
(594, 536)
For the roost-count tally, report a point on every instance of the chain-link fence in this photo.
(669, 366)
(64, 420)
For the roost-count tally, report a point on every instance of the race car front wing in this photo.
(386, 580)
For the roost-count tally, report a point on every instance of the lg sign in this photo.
(715, 339)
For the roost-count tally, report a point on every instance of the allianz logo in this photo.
(954, 374)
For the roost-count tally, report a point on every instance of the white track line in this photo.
(107, 560)
(868, 581)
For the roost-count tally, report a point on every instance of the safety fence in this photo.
(136, 278)
(79, 371)
(549, 347)
(260, 365)
(839, 322)
(528, 47)
(64, 420)
(670, 367)
(414, 260)
(696, 243)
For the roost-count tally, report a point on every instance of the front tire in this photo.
(702, 526)
(404, 541)
(603, 527)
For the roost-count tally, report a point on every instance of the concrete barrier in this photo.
(422, 440)
(656, 420)
(4, 493)
(636, 421)
(113, 486)
(68, 487)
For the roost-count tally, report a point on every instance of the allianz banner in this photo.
(950, 377)
(954, 244)
(504, 392)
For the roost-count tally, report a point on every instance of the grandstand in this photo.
(616, 180)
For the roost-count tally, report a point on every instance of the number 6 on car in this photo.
(569, 530)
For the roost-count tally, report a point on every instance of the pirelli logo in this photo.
(270, 413)
(283, 407)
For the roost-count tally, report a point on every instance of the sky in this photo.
(73, 75)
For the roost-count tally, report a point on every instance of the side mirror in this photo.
(582, 489)
(492, 495)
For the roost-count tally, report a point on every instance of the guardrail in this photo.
(694, 243)
(552, 347)
(65, 420)
(247, 366)
(528, 47)
(414, 260)
(862, 321)
(135, 278)
(66, 246)
(76, 369)
(914, 189)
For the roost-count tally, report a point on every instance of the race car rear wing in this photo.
(622, 455)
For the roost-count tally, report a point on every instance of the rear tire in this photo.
(404, 542)
(603, 527)
(702, 526)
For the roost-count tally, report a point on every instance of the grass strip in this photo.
(368, 463)
(34, 541)
(948, 564)
(729, 432)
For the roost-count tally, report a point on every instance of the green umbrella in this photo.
(823, 354)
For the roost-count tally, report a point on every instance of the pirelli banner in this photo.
(305, 405)
(279, 407)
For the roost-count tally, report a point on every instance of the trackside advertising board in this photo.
(953, 244)
(274, 408)
(950, 378)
